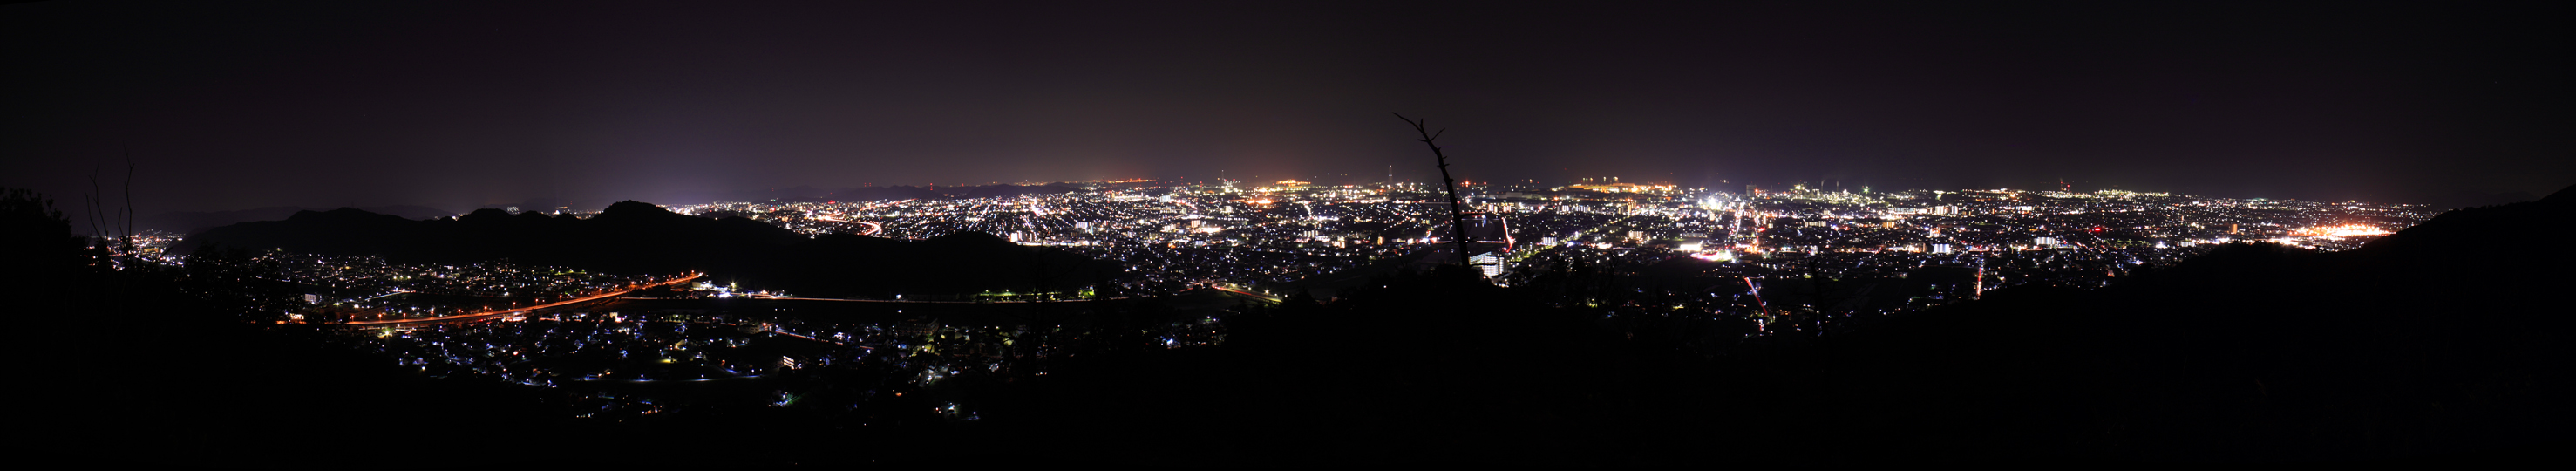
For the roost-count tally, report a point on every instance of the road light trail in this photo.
(595, 297)
(1253, 295)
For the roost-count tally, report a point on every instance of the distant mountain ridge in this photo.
(635, 237)
(190, 222)
(807, 194)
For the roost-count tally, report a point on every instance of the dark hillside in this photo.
(2443, 338)
(2444, 343)
(2447, 343)
(190, 222)
(899, 192)
(633, 237)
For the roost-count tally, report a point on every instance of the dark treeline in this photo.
(639, 238)
(183, 364)
(807, 194)
(2443, 343)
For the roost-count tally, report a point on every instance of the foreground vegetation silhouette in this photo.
(2444, 342)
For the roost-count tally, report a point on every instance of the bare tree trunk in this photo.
(125, 225)
(98, 227)
(1457, 216)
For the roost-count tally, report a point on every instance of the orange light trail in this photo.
(595, 297)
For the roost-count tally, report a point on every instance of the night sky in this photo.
(231, 105)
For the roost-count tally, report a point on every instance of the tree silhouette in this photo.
(1457, 216)
(121, 223)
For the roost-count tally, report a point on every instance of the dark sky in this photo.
(451, 104)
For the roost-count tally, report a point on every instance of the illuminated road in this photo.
(1253, 295)
(595, 297)
(873, 228)
(848, 300)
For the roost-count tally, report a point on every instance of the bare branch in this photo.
(1457, 215)
(97, 227)
(125, 228)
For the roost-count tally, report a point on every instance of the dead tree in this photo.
(1457, 216)
(125, 217)
(120, 224)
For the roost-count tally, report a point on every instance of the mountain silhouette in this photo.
(190, 222)
(807, 194)
(637, 238)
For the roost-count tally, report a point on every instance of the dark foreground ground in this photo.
(2443, 344)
